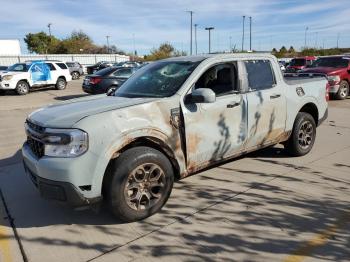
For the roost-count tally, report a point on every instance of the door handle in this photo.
(274, 96)
(233, 104)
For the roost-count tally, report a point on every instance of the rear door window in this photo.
(62, 65)
(51, 66)
(260, 74)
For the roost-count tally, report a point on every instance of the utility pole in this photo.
(191, 14)
(316, 40)
(107, 37)
(243, 34)
(250, 33)
(305, 43)
(133, 43)
(49, 26)
(209, 29)
(195, 36)
(338, 35)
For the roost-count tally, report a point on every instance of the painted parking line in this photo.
(319, 240)
(5, 254)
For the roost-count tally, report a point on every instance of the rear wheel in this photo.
(22, 88)
(75, 75)
(303, 135)
(61, 83)
(343, 91)
(139, 183)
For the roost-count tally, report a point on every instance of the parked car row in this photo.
(335, 68)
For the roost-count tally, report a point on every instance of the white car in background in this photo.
(22, 77)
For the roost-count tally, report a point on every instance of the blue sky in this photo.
(275, 22)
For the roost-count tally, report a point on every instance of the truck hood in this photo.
(66, 114)
(5, 72)
(323, 70)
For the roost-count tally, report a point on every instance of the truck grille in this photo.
(36, 146)
(34, 133)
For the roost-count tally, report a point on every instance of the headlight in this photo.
(333, 78)
(7, 77)
(65, 142)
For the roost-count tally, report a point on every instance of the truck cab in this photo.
(299, 63)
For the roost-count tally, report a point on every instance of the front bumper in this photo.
(93, 89)
(333, 89)
(58, 191)
(61, 179)
(6, 85)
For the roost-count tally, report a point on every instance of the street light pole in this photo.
(338, 35)
(307, 28)
(191, 14)
(250, 33)
(49, 26)
(195, 36)
(209, 29)
(243, 34)
(107, 37)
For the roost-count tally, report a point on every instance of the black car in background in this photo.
(3, 68)
(98, 66)
(105, 79)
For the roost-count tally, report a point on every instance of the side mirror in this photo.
(110, 91)
(201, 95)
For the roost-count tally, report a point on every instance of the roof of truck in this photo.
(197, 58)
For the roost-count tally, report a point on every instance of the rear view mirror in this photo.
(201, 95)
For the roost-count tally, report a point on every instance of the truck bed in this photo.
(300, 79)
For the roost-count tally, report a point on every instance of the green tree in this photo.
(41, 43)
(291, 50)
(165, 50)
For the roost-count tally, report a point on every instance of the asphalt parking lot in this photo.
(263, 207)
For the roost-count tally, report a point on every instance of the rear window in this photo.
(71, 64)
(298, 62)
(105, 71)
(260, 74)
(51, 66)
(62, 65)
(337, 62)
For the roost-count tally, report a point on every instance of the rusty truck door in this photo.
(215, 131)
(267, 104)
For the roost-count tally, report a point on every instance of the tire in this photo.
(343, 91)
(22, 88)
(2, 92)
(130, 194)
(61, 83)
(111, 87)
(303, 135)
(75, 75)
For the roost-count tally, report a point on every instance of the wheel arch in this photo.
(148, 141)
(311, 109)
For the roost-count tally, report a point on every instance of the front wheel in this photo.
(75, 75)
(303, 135)
(139, 183)
(22, 88)
(61, 83)
(343, 91)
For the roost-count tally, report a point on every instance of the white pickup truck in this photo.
(22, 77)
(170, 119)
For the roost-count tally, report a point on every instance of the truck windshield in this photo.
(297, 62)
(337, 62)
(19, 67)
(158, 79)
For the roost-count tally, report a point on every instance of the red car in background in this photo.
(299, 63)
(337, 70)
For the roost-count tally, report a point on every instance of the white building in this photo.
(10, 47)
